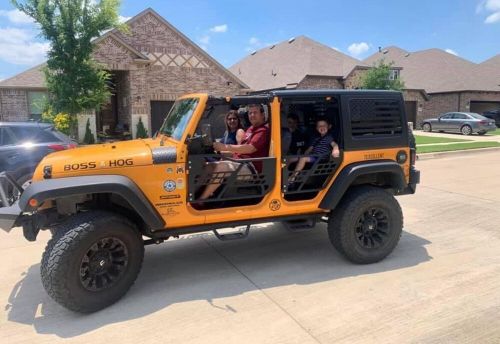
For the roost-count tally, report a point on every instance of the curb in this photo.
(437, 155)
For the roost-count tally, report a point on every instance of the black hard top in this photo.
(326, 92)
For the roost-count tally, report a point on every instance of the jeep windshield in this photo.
(177, 119)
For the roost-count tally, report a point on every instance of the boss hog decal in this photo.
(93, 164)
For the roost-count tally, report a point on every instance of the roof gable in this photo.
(290, 61)
(435, 70)
(33, 78)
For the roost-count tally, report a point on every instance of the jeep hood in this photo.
(108, 156)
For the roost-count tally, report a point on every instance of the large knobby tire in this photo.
(92, 260)
(427, 127)
(466, 130)
(367, 225)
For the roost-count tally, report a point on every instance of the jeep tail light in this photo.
(413, 156)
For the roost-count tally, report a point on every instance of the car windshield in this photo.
(475, 115)
(178, 117)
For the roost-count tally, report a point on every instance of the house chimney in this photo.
(379, 49)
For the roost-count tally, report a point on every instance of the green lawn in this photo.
(427, 139)
(457, 146)
(496, 132)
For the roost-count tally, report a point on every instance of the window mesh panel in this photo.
(375, 117)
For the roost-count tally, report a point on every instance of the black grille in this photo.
(375, 117)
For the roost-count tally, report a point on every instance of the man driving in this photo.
(255, 144)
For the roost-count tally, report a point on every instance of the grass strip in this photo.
(428, 139)
(457, 146)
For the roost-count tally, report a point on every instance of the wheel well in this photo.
(100, 201)
(386, 180)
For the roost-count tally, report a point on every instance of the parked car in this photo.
(24, 144)
(466, 123)
(494, 115)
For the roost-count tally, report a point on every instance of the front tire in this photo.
(92, 260)
(367, 225)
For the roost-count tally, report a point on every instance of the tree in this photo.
(142, 133)
(378, 78)
(74, 80)
(89, 137)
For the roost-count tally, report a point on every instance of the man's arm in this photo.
(241, 149)
(335, 149)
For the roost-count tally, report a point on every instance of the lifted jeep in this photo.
(100, 201)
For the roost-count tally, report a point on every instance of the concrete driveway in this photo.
(441, 284)
(474, 137)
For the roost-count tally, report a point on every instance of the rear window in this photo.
(477, 116)
(375, 117)
(34, 134)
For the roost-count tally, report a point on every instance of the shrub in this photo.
(142, 133)
(89, 138)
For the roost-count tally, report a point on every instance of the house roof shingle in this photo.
(290, 61)
(435, 71)
(32, 78)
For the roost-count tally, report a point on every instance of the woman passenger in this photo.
(234, 131)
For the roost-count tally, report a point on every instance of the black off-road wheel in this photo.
(92, 260)
(367, 225)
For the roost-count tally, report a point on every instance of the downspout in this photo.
(459, 101)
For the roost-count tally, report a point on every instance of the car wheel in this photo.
(427, 127)
(466, 129)
(92, 260)
(367, 225)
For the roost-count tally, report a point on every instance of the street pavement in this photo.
(440, 285)
(474, 137)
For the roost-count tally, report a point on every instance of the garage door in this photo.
(480, 107)
(411, 112)
(159, 109)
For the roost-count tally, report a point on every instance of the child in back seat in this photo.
(320, 146)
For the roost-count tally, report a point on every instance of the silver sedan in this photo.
(461, 122)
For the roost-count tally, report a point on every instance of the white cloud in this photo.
(254, 41)
(205, 40)
(358, 49)
(493, 18)
(219, 28)
(490, 6)
(18, 46)
(451, 51)
(123, 19)
(17, 17)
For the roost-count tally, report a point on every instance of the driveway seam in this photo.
(262, 291)
(457, 193)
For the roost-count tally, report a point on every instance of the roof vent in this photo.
(385, 51)
(291, 40)
(253, 52)
(407, 54)
(272, 46)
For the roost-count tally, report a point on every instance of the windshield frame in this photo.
(181, 131)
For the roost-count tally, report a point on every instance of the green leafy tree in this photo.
(89, 137)
(378, 78)
(74, 80)
(142, 133)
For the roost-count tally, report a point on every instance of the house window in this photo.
(36, 103)
(394, 74)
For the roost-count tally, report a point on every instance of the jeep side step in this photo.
(300, 225)
(233, 235)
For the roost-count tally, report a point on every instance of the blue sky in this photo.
(230, 30)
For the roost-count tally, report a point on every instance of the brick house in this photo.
(150, 67)
(451, 83)
(302, 63)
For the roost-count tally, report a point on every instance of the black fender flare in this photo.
(353, 171)
(73, 186)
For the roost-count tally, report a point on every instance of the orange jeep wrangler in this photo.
(103, 203)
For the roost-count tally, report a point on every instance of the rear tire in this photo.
(367, 225)
(91, 261)
(427, 127)
(466, 130)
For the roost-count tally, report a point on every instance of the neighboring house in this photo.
(151, 66)
(302, 63)
(452, 83)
